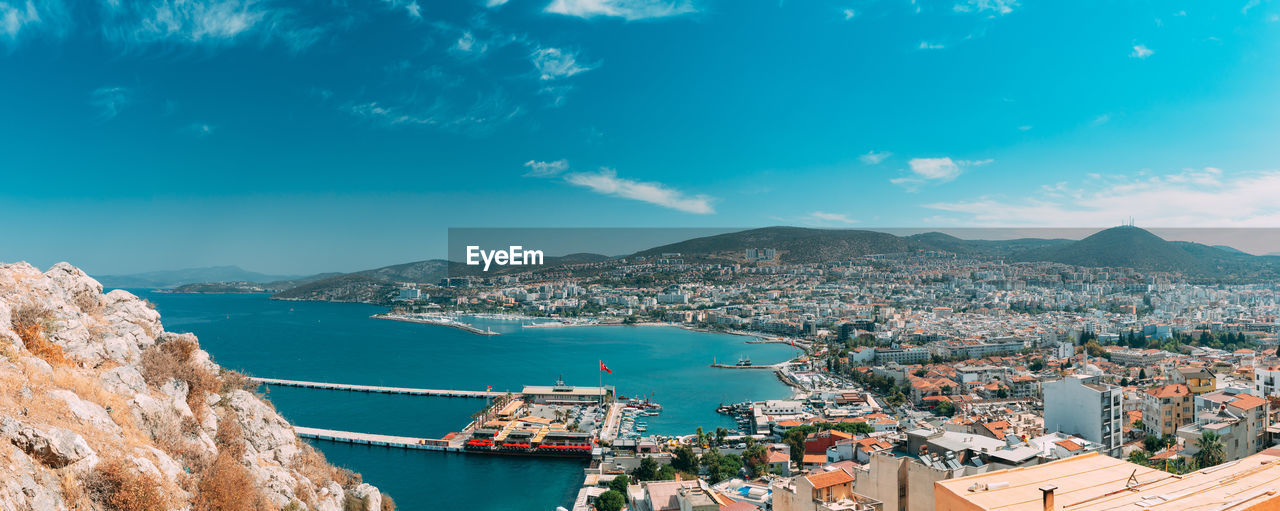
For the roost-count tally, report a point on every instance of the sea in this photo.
(341, 343)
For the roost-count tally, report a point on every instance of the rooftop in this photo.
(1095, 481)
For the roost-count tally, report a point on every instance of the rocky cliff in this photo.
(101, 409)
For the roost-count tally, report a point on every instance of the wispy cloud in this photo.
(836, 218)
(1100, 120)
(1207, 197)
(874, 158)
(996, 7)
(487, 112)
(200, 130)
(495, 3)
(545, 168)
(110, 100)
(926, 45)
(848, 14)
(208, 23)
(626, 9)
(467, 44)
(607, 182)
(934, 170)
(1141, 52)
(555, 63)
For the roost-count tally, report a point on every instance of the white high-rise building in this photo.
(1084, 406)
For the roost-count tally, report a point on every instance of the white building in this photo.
(1083, 406)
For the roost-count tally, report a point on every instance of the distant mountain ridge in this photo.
(174, 278)
(1120, 247)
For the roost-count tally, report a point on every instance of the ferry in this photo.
(555, 443)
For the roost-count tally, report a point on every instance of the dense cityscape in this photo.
(929, 365)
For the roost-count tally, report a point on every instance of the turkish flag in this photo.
(605, 368)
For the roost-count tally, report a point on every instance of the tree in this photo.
(721, 433)
(1142, 374)
(685, 460)
(610, 501)
(756, 459)
(1002, 393)
(1036, 365)
(1211, 451)
(1152, 443)
(1138, 457)
(666, 473)
(619, 484)
(647, 471)
(945, 408)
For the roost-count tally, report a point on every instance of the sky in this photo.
(337, 135)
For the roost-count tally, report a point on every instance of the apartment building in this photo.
(1082, 405)
(1165, 409)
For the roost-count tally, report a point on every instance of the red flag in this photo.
(488, 388)
(605, 368)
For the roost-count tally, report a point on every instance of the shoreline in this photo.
(436, 320)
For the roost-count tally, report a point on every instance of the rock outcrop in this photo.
(101, 409)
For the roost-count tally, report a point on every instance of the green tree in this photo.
(647, 471)
(619, 484)
(1211, 451)
(1036, 364)
(756, 459)
(666, 473)
(1138, 456)
(685, 460)
(610, 501)
(1142, 374)
(721, 433)
(945, 408)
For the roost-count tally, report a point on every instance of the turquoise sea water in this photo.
(340, 343)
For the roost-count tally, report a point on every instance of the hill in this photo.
(794, 244)
(173, 278)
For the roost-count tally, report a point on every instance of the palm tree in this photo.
(1211, 453)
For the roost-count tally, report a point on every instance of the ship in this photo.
(555, 443)
(744, 362)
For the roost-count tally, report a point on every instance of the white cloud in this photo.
(1141, 52)
(554, 63)
(200, 130)
(926, 45)
(110, 100)
(487, 112)
(849, 14)
(546, 168)
(468, 44)
(13, 18)
(874, 158)
(1249, 5)
(626, 9)
(934, 170)
(201, 22)
(979, 6)
(607, 182)
(839, 218)
(495, 3)
(1025, 127)
(415, 10)
(1206, 197)
(1100, 120)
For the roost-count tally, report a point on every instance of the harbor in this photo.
(552, 421)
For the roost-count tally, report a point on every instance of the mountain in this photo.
(794, 244)
(1133, 247)
(173, 278)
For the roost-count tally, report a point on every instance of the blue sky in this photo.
(295, 137)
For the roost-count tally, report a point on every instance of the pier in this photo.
(770, 367)
(403, 442)
(380, 390)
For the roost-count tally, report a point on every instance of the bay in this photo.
(340, 343)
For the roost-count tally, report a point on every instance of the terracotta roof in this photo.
(1068, 445)
(829, 479)
(1247, 401)
(815, 459)
(1169, 391)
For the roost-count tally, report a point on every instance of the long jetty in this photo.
(403, 442)
(380, 390)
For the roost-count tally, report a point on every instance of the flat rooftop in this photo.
(563, 391)
(1098, 482)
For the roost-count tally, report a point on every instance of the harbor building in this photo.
(561, 394)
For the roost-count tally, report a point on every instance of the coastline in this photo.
(434, 320)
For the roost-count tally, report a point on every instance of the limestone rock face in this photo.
(79, 393)
(57, 447)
